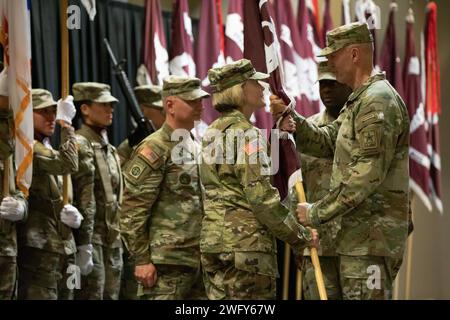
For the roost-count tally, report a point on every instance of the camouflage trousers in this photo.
(240, 275)
(8, 278)
(103, 283)
(175, 283)
(367, 277)
(330, 271)
(129, 285)
(43, 275)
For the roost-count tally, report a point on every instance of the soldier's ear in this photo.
(85, 109)
(169, 105)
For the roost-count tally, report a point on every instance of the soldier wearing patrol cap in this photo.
(162, 209)
(13, 206)
(46, 242)
(149, 99)
(316, 174)
(243, 213)
(98, 192)
(369, 182)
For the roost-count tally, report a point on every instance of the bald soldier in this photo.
(149, 99)
(369, 180)
(13, 208)
(98, 192)
(316, 175)
(162, 209)
(46, 242)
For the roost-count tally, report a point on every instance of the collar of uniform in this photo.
(92, 135)
(166, 130)
(236, 114)
(376, 77)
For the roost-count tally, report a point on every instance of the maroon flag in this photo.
(234, 31)
(289, 46)
(433, 102)
(327, 22)
(419, 162)
(182, 52)
(154, 53)
(209, 50)
(390, 59)
(307, 52)
(346, 18)
(261, 47)
(367, 11)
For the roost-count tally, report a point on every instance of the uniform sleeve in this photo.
(64, 161)
(83, 189)
(252, 169)
(143, 175)
(6, 141)
(314, 140)
(124, 151)
(376, 137)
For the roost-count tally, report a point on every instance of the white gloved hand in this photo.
(65, 110)
(84, 259)
(4, 82)
(70, 216)
(12, 209)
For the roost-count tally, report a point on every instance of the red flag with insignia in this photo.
(433, 102)
(389, 58)
(234, 31)
(182, 51)
(419, 162)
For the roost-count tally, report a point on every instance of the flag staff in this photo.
(64, 77)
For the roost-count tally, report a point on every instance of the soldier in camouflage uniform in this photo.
(46, 243)
(149, 99)
(162, 207)
(369, 181)
(243, 213)
(98, 190)
(13, 208)
(316, 175)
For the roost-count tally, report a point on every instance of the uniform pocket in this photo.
(257, 262)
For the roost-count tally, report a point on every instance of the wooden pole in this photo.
(313, 251)
(64, 77)
(6, 176)
(287, 262)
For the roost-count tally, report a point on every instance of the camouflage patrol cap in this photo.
(149, 96)
(93, 91)
(325, 72)
(232, 74)
(42, 99)
(185, 88)
(343, 36)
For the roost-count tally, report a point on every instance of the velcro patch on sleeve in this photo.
(371, 140)
(252, 147)
(149, 154)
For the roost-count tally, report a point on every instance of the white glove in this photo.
(65, 110)
(4, 82)
(70, 216)
(12, 209)
(84, 259)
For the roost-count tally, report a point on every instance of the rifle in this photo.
(144, 125)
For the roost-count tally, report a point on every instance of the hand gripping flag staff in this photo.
(262, 48)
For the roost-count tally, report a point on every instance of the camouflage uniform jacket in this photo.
(369, 182)
(43, 228)
(8, 237)
(316, 176)
(98, 189)
(162, 209)
(242, 210)
(124, 150)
